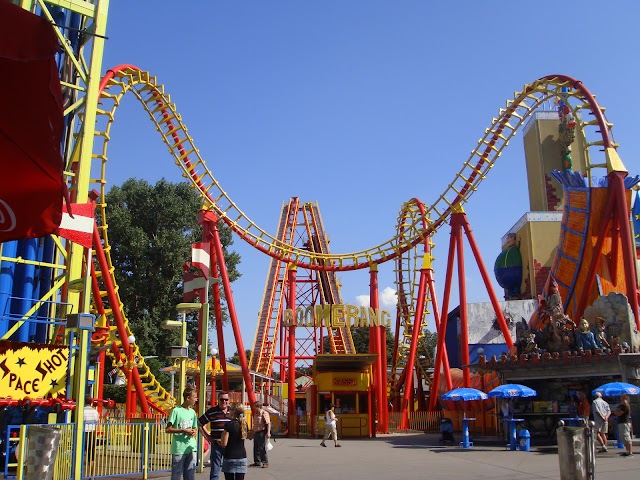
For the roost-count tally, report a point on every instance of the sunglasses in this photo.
(224, 399)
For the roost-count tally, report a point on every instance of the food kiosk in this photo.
(345, 381)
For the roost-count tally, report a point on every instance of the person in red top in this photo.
(584, 409)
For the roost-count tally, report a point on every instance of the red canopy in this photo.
(31, 126)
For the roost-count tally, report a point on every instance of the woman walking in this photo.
(331, 430)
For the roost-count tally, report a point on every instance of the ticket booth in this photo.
(345, 381)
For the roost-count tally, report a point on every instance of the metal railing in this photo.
(418, 421)
(112, 449)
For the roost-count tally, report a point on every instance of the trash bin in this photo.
(42, 449)
(524, 440)
(576, 453)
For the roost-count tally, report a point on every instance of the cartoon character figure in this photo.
(585, 338)
(600, 334)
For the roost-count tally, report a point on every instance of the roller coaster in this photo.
(90, 111)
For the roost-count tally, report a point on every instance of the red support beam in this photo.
(457, 222)
(413, 349)
(441, 347)
(487, 283)
(616, 184)
(291, 371)
(231, 307)
(119, 320)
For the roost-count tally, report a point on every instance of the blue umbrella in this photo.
(615, 389)
(512, 390)
(464, 394)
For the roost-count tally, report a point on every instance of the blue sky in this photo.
(360, 105)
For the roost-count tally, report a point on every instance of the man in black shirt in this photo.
(624, 423)
(216, 417)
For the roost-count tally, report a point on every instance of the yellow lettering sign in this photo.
(336, 316)
(344, 382)
(33, 370)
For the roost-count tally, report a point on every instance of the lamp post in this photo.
(171, 370)
(183, 309)
(214, 352)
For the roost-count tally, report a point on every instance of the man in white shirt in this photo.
(91, 420)
(601, 413)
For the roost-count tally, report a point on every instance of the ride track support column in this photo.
(502, 323)
(383, 417)
(217, 309)
(436, 316)
(117, 314)
(417, 324)
(291, 371)
(433, 396)
(616, 180)
(130, 404)
(231, 307)
(374, 347)
(457, 222)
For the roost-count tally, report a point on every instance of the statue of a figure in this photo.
(525, 338)
(600, 334)
(585, 338)
(558, 330)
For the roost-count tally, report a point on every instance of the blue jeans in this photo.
(216, 460)
(183, 465)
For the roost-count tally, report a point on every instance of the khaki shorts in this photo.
(602, 427)
(624, 430)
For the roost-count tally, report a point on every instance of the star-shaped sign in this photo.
(53, 383)
(21, 362)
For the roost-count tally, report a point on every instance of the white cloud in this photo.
(388, 299)
(363, 300)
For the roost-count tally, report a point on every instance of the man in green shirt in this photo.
(183, 425)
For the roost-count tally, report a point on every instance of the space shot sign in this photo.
(33, 370)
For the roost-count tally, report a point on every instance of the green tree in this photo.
(151, 230)
(236, 357)
(428, 344)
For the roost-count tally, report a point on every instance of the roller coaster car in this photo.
(446, 429)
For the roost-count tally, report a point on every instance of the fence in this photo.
(113, 449)
(418, 421)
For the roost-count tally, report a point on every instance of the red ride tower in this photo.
(285, 349)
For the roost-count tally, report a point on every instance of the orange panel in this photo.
(578, 199)
(572, 244)
(576, 220)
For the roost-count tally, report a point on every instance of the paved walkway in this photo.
(408, 456)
